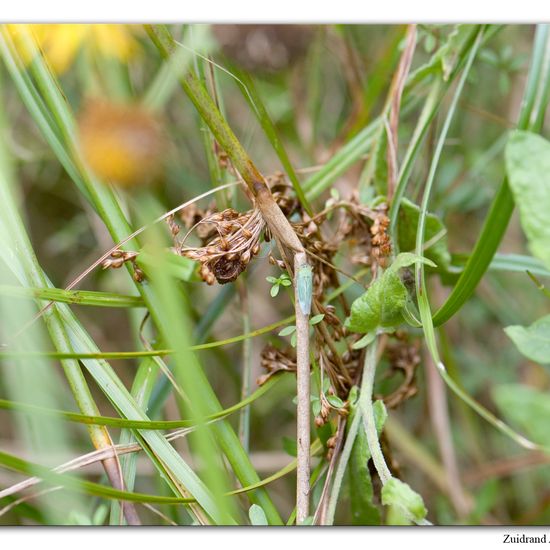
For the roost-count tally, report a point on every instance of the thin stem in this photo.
(342, 467)
(303, 391)
(367, 412)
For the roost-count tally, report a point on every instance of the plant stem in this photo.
(303, 392)
(288, 242)
(367, 412)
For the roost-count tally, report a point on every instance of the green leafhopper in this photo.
(304, 285)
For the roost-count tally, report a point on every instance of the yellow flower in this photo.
(122, 143)
(62, 42)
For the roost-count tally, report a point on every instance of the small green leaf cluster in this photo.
(277, 283)
(291, 329)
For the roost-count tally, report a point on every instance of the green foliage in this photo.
(330, 128)
(528, 169)
(533, 341)
(396, 493)
(257, 515)
(435, 236)
(277, 283)
(527, 408)
(382, 305)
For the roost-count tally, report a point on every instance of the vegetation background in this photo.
(104, 129)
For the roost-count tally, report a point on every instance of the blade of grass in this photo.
(501, 209)
(420, 281)
(141, 424)
(250, 93)
(77, 297)
(108, 208)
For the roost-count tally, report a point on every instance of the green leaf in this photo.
(528, 169)
(316, 319)
(287, 330)
(533, 341)
(435, 235)
(274, 290)
(285, 281)
(527, 408)
(257, 515)
(316, 406)
(364, 341)
(397, 493)
(380, 414)
(272, 280)
(406, 259)
(335, 401)
(379, 306)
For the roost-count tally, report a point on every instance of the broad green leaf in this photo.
(435, 237)
(528, 169)
(257, 515)
(397, 493)
(533, 341)
(379, 306)
(527, 408)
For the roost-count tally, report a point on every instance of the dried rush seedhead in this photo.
(232, 241)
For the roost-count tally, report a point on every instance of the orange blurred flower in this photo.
(122, 144)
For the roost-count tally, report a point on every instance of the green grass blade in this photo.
(250, 93)
(30, 409)
(502, 207)
(76, 297)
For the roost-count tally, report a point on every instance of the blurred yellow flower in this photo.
(122, 143)
(62, 42)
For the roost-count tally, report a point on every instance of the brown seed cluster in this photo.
(119, 257)
(275, 360)
(380, 241)
(232, 240)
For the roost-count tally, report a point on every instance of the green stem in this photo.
(367, 412)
